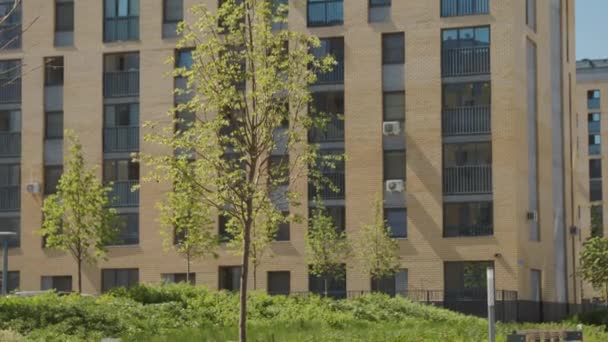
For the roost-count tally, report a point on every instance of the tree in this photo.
(77, 218)
(597, 221)
(376, 250)
(246, 85)
(594, 263)
(326, 247)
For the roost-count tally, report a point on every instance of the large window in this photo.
(53, 71)
(467, 94)
(57, 283)
(595, 179)
(335, 48)
(392, 285)
(279, 283)
(121, 20)
(393, 48)
(10, 78)
(230, 278)
(121, 74)
(467, 154)
(394, 106)
(336, 284)
(283, 230)
(53, 125)
(466, 280)
(10, 28)
(325, 12)
(118, 277)
(13, 281)
(52, 174)
(10, 183)
(597, 220)
(330, 106)
(123, 174)
(465, 51)
(127, 226)
(64, 15)
(396, 219)
(121, 127)
(173, 11)
(593, 99)
(394, 165)
(467, 219)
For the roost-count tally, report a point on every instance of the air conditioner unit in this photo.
(33, 188)
(391, 128)
(395, 185)
(532, 216)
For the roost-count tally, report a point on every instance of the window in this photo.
(10, 121)
(10, 28)
(467, 219)
(57, 283)
(223, 231)
(13, 281)
(10, 78)
(393, 48)
(53, 71)
(118, 277)
(279, 283)
(121, 75)
(394, 106)
(325, 12)
(52, 174)
(455, 8)
(283, 230)
(465, 51)
(338, 215)
(535, 285)
(183, 58)
(10, 182)
(466, 280)
(392, 285)
(122, 115)
(120, 170)
(336, 284)
(467, 154)
(595, 190)
(594, 122)
(174, 278)
(64, 16)
(595, 144)
(593, 99)
(466, 37)
(595, 168)
(12, 224)
(469, 94)
(53, 125)
(335, 48)
(379, 3)
(230, 278)
(127, 226)
(329, 106)
(173, 11)
(597, 221)
(531, 14)
(396, 219)
(121, 20)
(121, 62)
(394, 165)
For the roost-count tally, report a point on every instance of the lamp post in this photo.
(4, 238)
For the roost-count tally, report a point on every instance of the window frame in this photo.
(386, 49)
(60, 4)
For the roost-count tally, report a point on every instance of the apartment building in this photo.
(443, 116)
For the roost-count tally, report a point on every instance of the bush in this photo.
(596, 317)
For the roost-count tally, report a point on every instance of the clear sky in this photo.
(591, 29)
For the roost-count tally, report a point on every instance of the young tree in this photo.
(326, 247)
(597, 221)
(377, 251)
(246, 84)
(77, 218)
(594, 263)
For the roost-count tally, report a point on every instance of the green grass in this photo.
(185, 313)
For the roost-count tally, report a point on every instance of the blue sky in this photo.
(591, 29)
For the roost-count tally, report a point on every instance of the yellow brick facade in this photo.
(425, 250)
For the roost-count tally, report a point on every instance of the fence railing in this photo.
(10, 144)
(594, 127)
(468, 230)
(332, 132)
(122, 194)
(455, 8)
(465, 61)
(325, 13)
(10, 198)
(467, 120)
(121, 139)
(335, 76)
(325, 190)
(10, 90)
(121, 28)
(468, 179)
(121, 83)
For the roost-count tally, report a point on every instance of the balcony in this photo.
(10, 91)
(335, 76)
(122, 196)
(594, 127)
(466, 120)
(466, 61)
(457, 8)
(325, 13)
(468, 179)
(121, 83)
(468, 231)
(121, 29)
(593, 103)
(10, 198)
(332, 132)
(595, 150)
(325, 191)
(121, 139)
(10, 144)
(10, 36)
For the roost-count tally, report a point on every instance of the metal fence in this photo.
(325, 190)
(10, 90)
(465, 61)
(121, 28)
(332, 132)
(454, 8)
(10, 144)
(467, 179)
(122, 194)
(10, 198)
(466, 120)
(121, 139)
(335, 76)
(121, 83)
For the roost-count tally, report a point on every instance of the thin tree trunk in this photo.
(325, 285)
(255, 276)
(244, 274)
(79, 275)
(188, 268)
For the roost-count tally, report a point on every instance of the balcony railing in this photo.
(122, 196)
(10, 90)
(595, 190)
(332, 132)
(593, 103)
(456, 8)
(466, 61)
(326, 191)
(10, 198)
(121, 28)
(468, 230)
(469, 179)
(594, 127)
(325, 13)
(335, 76)
(466, 120)
(10, 36)
(10, 144)
(121, 139)
(121, 83)
(595, 150)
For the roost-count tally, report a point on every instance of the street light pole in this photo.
(5, 237)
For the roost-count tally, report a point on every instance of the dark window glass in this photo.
(54, 125)
(64, 16)
(224, 233)
(118, 277)
(468, 94)
(392, 285)
(393, 48)
(13, 281)
(279, 283)
(467, 154)
(122, 115)
(594, 122)
(394, 165)
(52, 174)
(595, 168)
(12, 224)
(595, 190)
(283, 230)
(121, 62)
(53, 71)
(57, 283)
(396, 219)
(466, 280)
(595, 144)
(325, 12)
(379, 3)
(467, 219)
(394, 106)
(127, 226)
(10, 121)
(597, 221)
(336, 284)
(173, 11)
(121, 8)
(120, 170)
(183, 59)
(466, 37)
(230, 278)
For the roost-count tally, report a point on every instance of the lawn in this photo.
(185, 313)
